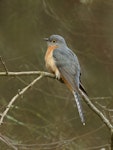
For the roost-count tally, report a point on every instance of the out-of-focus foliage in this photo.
(46, 117)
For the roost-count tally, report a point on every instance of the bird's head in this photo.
(55, 40)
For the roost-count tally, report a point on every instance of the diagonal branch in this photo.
(96, 110)
(17, 96)
(7, 141)
(100, 114)
(46, 74)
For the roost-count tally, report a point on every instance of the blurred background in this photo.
(46, 118)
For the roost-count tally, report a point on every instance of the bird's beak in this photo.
(46, 39)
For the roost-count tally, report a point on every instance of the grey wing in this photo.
(68, 65)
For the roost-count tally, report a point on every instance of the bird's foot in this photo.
(57, 73)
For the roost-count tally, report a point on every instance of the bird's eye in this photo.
(53, 41)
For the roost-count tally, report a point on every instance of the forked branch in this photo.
(42, 74)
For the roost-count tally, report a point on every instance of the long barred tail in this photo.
(79, 106)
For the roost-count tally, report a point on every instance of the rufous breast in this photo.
(49, 60)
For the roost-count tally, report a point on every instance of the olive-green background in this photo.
(46, 116)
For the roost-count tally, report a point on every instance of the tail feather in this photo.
(79, 107)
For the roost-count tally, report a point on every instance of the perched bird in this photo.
(62, 61)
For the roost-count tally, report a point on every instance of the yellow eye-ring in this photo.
(53, 41)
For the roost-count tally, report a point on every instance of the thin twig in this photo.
(7, 141)
(101, 98)
(4, 66)
(104, 107)
(17, 96)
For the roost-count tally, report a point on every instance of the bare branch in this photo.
(17, 96)
(46, 74)
(7, 141)
(96, 110)
(100, 114)
(27, 73)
